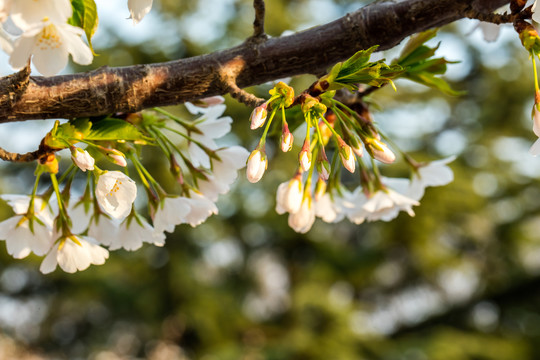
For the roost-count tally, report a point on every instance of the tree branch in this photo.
(130, 89)
(258, 23)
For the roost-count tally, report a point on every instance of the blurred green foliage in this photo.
(460, 281)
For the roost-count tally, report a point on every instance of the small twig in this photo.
(258, 23)
(499, 18)
(16, 157)
(243, 96)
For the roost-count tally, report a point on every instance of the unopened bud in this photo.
(536, 119)
(286, 139)
(117, 157)
(356, 145)
(381, 151)
(258, 116)
(305, 156)
(176, 170)
(347, 156)
(256, 166)
(82, 158)
(323, 166)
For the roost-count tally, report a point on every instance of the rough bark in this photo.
(129, 89)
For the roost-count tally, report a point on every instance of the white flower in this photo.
(200, 209)
(27, 13)
(104, 229)
(135, 231)
(171, 211)
(224, 172)
(435, 173)
(115, 192)
(82, 159)
(302, 220)
(333, 206)
(383, 204)
(21, 240)
(42, 210)
(258, 116)
(74, 253)
(50, 44)
(212, 127)
(138, 9)
(256, 166)
(304, 158)
(289, 196)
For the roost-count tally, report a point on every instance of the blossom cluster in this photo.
(346, 132)
(77, 233)
(47, 32)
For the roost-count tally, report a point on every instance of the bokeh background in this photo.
(458, 281)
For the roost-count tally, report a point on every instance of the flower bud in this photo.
(323, 166)
(347, 156)
(82, 158)
(286, 139)
(305, 156)
(176, 170)
(117, 157)
(256, 165)
(356, 145)
(289, 195)
(381, 152)
(258, 116)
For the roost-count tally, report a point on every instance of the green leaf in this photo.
(85, 16)
(430, 80)
(416, 41)
(115, 129)
(357, 62)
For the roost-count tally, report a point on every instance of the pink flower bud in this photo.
(305, 156)
(347, 157)
(258, 116)
(382, 152)
(256, 165)
(286, 139)
(117, 158)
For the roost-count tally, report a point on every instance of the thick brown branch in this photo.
(129, 89)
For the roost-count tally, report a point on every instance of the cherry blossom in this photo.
(435, 173)
(289, 196)
(302, 220)
(211, 126)
(116, 192)
(74, 253)
(104, 229)
(333, 206)
(135, 231)
(224, 171)
(21, 239)
(384, 204)
(171, 211)
(82, 159)
(50, 44)
(200, 209)
(256, 166)
(138, 9)
(27, 13)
